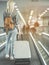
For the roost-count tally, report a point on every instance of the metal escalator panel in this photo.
(44, 53)
(2, 38)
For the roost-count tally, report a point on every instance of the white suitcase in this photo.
(22, 53)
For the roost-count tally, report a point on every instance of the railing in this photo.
(2, 34)
(41, 29)
(42, 51)
(43, 47)
(45, 33)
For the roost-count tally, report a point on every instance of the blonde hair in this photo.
(10, 6)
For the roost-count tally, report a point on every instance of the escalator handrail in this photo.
(43, 47)
(45, 33)
(2, 44)
(37, 48)
(2, 34)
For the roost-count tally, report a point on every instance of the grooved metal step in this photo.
(43, 52)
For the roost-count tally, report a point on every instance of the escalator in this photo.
(44, 53)
(41, 48)
(34, 56)
(2, 41)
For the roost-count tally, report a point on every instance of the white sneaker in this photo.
(7, 56)
(11, 57)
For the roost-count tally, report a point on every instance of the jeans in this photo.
(11, 38)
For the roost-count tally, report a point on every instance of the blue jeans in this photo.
(11, 38)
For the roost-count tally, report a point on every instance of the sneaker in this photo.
(7, 56)
(11, 58)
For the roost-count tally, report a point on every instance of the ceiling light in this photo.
(47, 8)
(31, 12)
(17, 9)
(39, 18)
(43, 13)
(15, 6)
(30, 17)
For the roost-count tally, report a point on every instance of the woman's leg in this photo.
(7, 47)
(13, 39)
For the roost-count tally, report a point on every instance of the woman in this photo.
(10, 21)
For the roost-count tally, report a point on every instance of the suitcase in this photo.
(22, 54)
